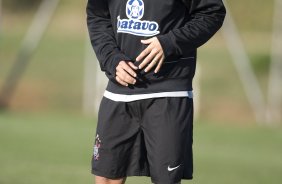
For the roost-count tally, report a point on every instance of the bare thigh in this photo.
(103, 180)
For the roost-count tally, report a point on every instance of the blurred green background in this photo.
(46, 138)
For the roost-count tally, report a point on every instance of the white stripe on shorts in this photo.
(130, 98)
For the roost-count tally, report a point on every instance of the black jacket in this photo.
(117, 26)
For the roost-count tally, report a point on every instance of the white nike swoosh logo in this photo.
(172, 168)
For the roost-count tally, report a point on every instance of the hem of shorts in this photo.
(183, 178)
(110, 176)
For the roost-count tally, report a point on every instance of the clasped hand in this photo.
(152, 56)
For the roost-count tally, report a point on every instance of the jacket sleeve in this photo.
(102, 37)
(206, 17)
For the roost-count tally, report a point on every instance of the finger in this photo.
(144, 53)
(153, 63)
(129, 70)
(148, 41)
(148, 59)
(119, 66)
(124, 76)
(132, 65)
(159, 65)
(120, 81)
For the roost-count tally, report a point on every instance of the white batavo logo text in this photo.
(133, 25)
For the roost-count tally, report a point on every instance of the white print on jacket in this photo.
(133, 25)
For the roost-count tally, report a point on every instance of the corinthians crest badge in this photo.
(96, 148)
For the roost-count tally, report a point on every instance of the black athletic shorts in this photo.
(150, 137)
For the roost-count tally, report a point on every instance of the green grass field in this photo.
(40, 148)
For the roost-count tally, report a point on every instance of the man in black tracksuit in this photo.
(147, 49)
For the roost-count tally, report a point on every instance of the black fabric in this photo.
(144, 138)
(180, 25)
(177, 78)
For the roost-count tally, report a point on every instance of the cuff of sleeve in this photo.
(114, 62)
(167, 45)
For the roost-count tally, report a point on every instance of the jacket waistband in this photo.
(164, 85)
